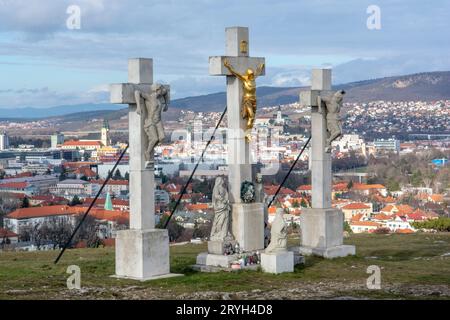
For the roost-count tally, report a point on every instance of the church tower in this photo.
(105, 133)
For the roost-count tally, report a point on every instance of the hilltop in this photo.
(417, 271)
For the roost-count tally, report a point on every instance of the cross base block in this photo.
(142, 254)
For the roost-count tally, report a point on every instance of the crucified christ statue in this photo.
(154, 104)
(249, 100)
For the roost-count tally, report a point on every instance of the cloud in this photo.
(181, 35)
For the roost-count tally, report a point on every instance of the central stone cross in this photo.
(237, 54)
(247, 219)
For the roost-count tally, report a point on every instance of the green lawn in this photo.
(413, 266)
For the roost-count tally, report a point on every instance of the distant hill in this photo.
(39, 113)
(427, 86)
(423, 86)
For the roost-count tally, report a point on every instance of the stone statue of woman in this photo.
(221, 223)
(278, 242)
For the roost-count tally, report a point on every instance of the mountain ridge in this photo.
(425, 86)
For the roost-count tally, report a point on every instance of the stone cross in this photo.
(140, 77)
(142, 252)
(321, 226)
(237, 54)
(321, 160)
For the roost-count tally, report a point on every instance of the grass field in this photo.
(413, 266)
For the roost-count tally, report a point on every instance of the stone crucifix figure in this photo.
(249, 103)
(151, 110)
(332, 105)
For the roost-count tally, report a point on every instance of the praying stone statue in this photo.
(260, 197)
(248, 79)
(333, 104)
(279, 236)
(154, 104)
(220, 230)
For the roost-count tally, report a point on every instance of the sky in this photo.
(44, 63)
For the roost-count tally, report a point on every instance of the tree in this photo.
(347, 227)
(304, 204)
(393, 185)
(63, 175)
(25, 203)
(202, 231)
(127, 176)
(175, 230)
(75, 201)
(118, 175)
(350, 185)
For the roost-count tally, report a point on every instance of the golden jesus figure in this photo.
(249, 100)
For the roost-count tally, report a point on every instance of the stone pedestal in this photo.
(218, 247)
(279, 262)
(248, 225)
(322, 233)
(142, 254)
(215, 260)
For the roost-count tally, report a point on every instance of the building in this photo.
(57, 140)
(72, 187)
(364, 226)
(8, 237)
(350, 142)
(116, 188)
(30, 217)
(37, 216)
(4, 141)
(162, 197)
(82, 145)
(390, 145)
(105, 139)
(353, 209)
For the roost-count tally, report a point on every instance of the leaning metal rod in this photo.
(290, 170)
(213, 136)
(91, 205)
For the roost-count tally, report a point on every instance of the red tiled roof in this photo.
(404, 231)
(85, 171)
(20, 175)
(116, 216)
(382, 217)
(112, 182)
(197, 206)
(4, 233)
(272, 210)
(365, 224)
(356, 206)
(101, 202)
(360, 186)
(50, 198)
(271, 190)
(82, 143)
(37, 212)
(437, 197)
(14, 185)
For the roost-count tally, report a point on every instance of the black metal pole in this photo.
(183, 191)
(91, 205)
(290, 170)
